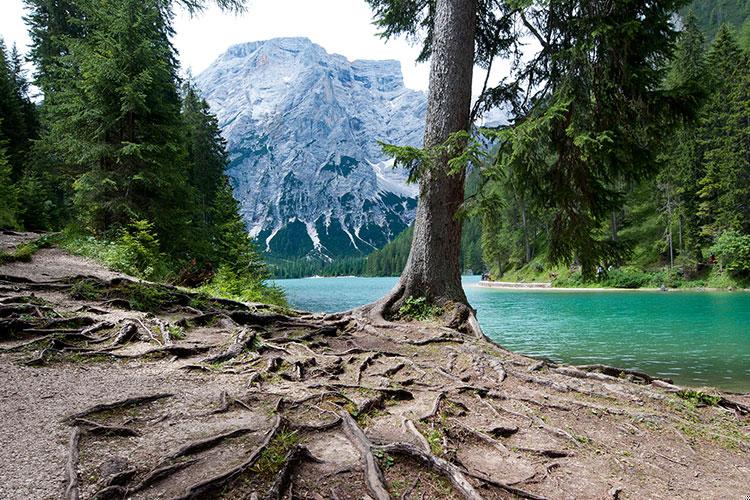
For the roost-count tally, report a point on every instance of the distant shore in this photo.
(548, 287)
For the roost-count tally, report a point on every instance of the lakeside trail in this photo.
(115, 388)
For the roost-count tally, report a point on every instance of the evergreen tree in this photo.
(682, 163)
(725, 138)
(596, 115)
(116, 123)
(7, 192)
(16, 111)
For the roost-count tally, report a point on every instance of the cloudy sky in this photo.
(340, 26)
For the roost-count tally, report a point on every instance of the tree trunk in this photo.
(433, 268)
(526, 242)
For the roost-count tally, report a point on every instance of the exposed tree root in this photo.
(244, 340)
(284, 478)
(504, 486)
(206, 487)
(412, 429)
(71, 466)
(307, 367)
(435, 407)
(161, 473)
(447, 469)
(128, 332)
(374, 478)
(95, 428)
(206, 443)
(136, 401)
(632, 375)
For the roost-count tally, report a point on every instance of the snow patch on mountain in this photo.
(302, 127)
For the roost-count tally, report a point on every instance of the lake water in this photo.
(695, 338)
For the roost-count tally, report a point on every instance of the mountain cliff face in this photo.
(302, 128)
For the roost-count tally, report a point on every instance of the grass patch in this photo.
(272, 458)
(26, 251)
(698, 398)
(85, 290)
(176, 332)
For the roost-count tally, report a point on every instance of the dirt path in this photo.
(207, 398)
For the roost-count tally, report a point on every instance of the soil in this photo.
(115, 388)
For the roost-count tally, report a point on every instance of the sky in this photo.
(340, 26)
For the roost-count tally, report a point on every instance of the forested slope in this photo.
(120, 154)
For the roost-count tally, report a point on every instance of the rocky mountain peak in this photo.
(302, 127)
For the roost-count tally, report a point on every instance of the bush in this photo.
(246, 288)
(626, 277)
(418, 309)
(732, 250)
(136, 252)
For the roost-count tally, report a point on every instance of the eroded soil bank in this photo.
(113, 388)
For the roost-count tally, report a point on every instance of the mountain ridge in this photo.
(302, 128)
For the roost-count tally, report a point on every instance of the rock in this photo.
(302, 128)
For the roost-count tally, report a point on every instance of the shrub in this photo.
(419, 309)
(732, 250)
(137, 251)
(247, 288)
(626, 277)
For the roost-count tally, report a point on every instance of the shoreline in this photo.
(547, 287)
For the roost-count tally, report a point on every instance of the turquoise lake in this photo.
(695, 338)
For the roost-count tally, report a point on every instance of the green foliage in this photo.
(712, 14)
(419, 309)
(8, 194)
(272, 457)
(127, 151)
(135, 252)
(732, 249)
(626, 277)
(246, 288)
(26, 251)
(699, 398)
(85, 290)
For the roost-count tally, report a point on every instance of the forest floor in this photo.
(115, 388)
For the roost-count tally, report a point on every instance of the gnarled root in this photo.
(205, 488)
(447, 469)
(284, 479)
(71, 466)
(139, 400)
(374, 478)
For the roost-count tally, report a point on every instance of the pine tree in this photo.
(206, 160)
(595, 119)
(682, 163)
(7, 193)
(725, 138)
(14, 107)
(116, 123)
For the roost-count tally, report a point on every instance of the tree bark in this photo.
(433, 268)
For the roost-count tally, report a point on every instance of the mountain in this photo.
(712, 13)
(302, 128)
